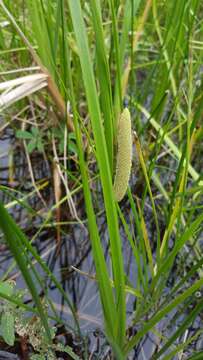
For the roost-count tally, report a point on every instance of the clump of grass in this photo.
(94, 54)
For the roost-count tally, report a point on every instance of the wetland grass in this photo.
(87, 57)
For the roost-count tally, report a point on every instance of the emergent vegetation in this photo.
(70, 69)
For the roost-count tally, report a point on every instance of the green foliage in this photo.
(7, 324)
(58, 133)
(6, 288)
(35, 139)
(99, 52)
(7, 327)
(197, 356)
(14, 320)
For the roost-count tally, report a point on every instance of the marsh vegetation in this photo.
(93, 94)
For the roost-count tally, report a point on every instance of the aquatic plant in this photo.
(92, 54)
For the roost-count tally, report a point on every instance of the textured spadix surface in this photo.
(124, 155)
